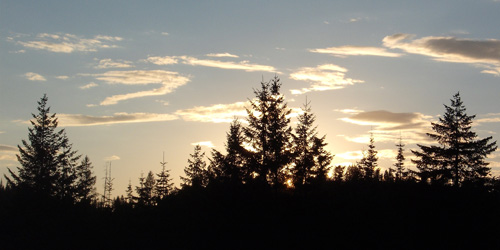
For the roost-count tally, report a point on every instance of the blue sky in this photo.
(130, 80)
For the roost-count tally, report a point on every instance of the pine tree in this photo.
(369, 162)
(48, 162)
(145, 190)
(311, 160)
(196, 172)
(85, 181)
(400, 158)
(130, 193)
(268, 133)
(460, 156)
(164, 185)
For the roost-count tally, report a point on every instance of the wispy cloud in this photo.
(8, 148)
(109, 63)
(222, 55)
(34, 77)
(75, 120)
(62, 77)
(169, 82)
(216, 113)
(485, 53)
(8, 153)
(88, 86)
(349, 50)
(323, 77)
(388, 126)
(112, 158)
(208, 144)
(189, 60)
(66, 43)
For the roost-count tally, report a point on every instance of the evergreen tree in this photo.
(48, 162)
(460, 156)
(310, 160)
(164, 185)
(338, 173)
(85, 181)
(369, 162)
(236, 159)
(400, 158)
(269, 133)
(130, 193)
(196, 172)
(145, 190)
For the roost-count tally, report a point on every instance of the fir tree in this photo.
(460, 156)
(369, 162)
(130, 193)
(164, 185)
(400, 158)
(85, 181)
(196, 172)
(145, 190)
(268, 133)
(48, 162)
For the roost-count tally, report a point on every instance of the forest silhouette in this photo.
(273, 187)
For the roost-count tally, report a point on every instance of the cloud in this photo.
(34, 77)
(485, 53)
(488, 118)
(208, 144)
(350, 50)
(169, 82)
(66, 43)
(74, 120)
(349, 111)
(188, 60)
(323, 77)
(109, 63)
(112, 158)
(8, 148)
(216, 113)
(389, 126)
(62, 77)
(88, 86)
(222, 55)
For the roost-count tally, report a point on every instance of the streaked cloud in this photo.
(8, 148)
(75, 120)
(216, 113)
(112, 158)
(349, 111)
(389, 126)
(8, 153)
(222, 55)
(488, 118)
(66, 43)
(34, 77)
(109, 63)
(189, 60)
(322, 77)
(208, 144)
(169, 82)
(485, 53)
(62, 77)
(88, 86)
(349, 50)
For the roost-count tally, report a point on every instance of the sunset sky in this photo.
(130, 80)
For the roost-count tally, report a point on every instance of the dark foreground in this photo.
(337, 216)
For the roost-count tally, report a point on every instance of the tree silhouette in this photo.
(146, 190)
(400, 171)
(85, 181)
(49, 165)
(369, 162)
(164, 185)
(269, 133)
(460, 155)
(196, 172)
(130, 194)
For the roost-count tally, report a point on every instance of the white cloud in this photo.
(216, 113)
(169, 82)
(484, 53)
(75, 120)
(208, 144)
(66, 43)
(109, 63)
(222, 55)
(88, 86)
(323, 77)
(34, 77)
(350, 50)
(112, 158)
(62, 77)
(188, 60)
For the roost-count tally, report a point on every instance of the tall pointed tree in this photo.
(369, 162)
(164, 185)
(196, 172)
(400, 161)
(459, 156)
(85, 181)
(47, 160)
(269, 133)
(145, 190)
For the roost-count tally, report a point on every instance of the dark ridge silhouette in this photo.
(274, 195)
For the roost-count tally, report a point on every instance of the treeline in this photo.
(274, 181)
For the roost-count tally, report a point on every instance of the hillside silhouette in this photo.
(273, 187)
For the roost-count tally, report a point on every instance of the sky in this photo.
(132, 82)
